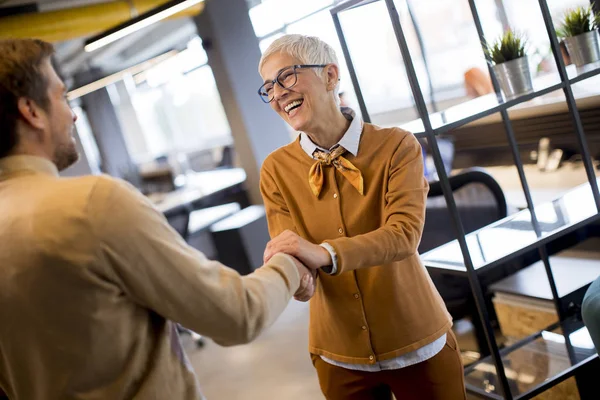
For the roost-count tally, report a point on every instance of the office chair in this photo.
(480, 202)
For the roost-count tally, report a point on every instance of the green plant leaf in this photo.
(507, 47)
(576, 22)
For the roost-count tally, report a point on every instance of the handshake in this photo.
(309, 258)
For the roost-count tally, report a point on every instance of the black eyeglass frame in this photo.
(266, 99)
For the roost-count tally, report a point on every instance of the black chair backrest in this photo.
(476, 208)
(470, 176)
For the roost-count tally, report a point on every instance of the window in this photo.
(173, 107)
(448, 47)
(526, 16)
(272, 19)
(374, 50)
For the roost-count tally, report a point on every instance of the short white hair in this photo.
(307, 50)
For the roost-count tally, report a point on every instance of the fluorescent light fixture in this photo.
(143, 21)
(101, 83)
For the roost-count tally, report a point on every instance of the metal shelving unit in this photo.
(430, 126)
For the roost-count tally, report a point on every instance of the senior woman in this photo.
(348, 199)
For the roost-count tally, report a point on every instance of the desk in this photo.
(511, 237)
(199, 187)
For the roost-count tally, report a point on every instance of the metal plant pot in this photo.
(514, 77)
(584, 49)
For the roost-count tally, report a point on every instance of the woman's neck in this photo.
(330, 131)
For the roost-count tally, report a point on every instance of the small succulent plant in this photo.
(578, 21)
(507, 47)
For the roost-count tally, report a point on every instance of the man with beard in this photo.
(91, 274)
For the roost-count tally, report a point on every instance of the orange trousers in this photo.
(439, 378)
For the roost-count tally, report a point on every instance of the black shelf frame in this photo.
(506, 105)
(430, 134)
(556, 379)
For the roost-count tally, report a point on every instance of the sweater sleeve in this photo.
(156, 269)
(404, 215)
(279, 218)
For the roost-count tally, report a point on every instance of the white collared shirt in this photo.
(351, 141)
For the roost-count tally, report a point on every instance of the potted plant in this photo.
(578, 30)
(510, 63)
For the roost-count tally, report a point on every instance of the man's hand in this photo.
(311, 255)
(308, 282)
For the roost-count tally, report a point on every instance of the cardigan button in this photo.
(364, 328)
(356, 295)
(371, 358)
(335, 195)
(341, 231)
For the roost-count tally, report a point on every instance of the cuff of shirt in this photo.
(331, 269)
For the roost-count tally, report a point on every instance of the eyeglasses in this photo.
(286, 79)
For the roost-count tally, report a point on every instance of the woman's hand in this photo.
(288, 242)
(308, 282)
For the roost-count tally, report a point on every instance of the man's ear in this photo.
(333, 76)
(31, 112)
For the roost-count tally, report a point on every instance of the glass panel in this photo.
(378, 63)
(527, 15)
(172, 108)
(516, 232)
(488, 104)
(451, 57)
(535, 362)
(265, 43)
(266, 17)
(273, 15)
(321, 25)
(194, 56)
(585, 72)
(294, 10)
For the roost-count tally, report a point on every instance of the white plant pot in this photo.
(514, 77)
(584, 49)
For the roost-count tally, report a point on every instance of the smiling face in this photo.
(310, 99)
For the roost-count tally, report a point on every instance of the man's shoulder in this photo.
(95, 189)
(108, 188)
(88, 184)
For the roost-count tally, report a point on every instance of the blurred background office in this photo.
(172, 107)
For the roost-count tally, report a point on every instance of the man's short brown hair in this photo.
(20, 76)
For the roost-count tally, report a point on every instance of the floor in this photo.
(276, 366)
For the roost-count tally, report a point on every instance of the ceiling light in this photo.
(144, 20)
(109, 80)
